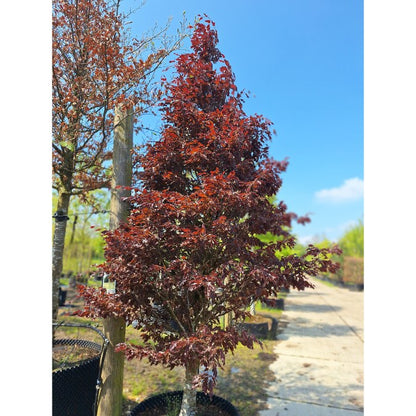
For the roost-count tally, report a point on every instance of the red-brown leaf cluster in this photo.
(188, 253)
(94, 69)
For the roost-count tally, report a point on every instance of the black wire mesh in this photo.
(77, 365)
(74, 387)
(160, 403)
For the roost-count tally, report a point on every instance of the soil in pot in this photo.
(261, 326)
(74, 378)
(65, 356)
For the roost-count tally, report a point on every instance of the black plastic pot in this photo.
(62, 297)
(274, 303)
(356, 287)
(259, 330)
(75, 388)
(159, 404)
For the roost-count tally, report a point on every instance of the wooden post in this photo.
(111, 398)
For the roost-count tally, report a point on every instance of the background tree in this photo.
(84, 244)
(352, 259)
(352, 241)
(96, 67)
(188, 253)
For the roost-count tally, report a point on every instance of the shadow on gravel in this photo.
(311, 307)
(317, 331)
(306, 388)
(302, 294)
(306, 328)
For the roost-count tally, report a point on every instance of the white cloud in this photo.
(306, 239)
(351, 190)
(341, 228)
(347, 225)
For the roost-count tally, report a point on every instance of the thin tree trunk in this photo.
(58, 248)
(115, 328)
(188, 407)
(73, 229)
(253, 307)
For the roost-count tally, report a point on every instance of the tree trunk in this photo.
(58, 248)
(114, 328)
(73, 229)
(253, 307)
(188, 407)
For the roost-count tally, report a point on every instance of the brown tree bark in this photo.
(111, 398)
(57, 261)
(58, 245)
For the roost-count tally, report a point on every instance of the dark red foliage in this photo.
(95, 69)
(189, 252)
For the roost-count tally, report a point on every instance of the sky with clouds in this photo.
(350, 190)
(302, 62)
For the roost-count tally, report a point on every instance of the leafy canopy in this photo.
(96, 67)
(189, 252)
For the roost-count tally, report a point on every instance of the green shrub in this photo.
(352, 242)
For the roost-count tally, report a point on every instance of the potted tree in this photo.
(188, 253)
(76, 370)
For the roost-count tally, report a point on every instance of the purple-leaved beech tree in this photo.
(188, 253)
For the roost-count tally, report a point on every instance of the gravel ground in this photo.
(319, 370)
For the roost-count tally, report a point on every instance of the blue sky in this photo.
(302, 62)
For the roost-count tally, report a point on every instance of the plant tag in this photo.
(110, 286)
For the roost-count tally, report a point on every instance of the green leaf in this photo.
(68, 145)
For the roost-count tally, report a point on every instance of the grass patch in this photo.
(245, 378)
(266, 310)
(243, 381)
(64, 281)
(141, 380)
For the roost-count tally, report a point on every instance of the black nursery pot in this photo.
(275, 303)
(158, 405)
(74, 387)
(62, 297)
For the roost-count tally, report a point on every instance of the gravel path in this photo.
(319, 371)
